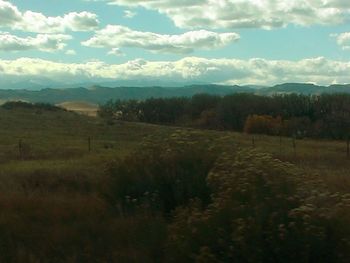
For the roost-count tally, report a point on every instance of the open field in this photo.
(81, 107)
(62, 136)
(55, 192)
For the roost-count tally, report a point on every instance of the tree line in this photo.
(319, 116)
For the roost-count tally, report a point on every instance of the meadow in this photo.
(74, 188)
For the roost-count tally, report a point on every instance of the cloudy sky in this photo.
(259, 42)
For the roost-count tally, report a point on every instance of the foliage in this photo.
(262, 210)
(32, 106)
(313, 116)
(62, 203)
(263, 124)
(159, 180)
(108, 111)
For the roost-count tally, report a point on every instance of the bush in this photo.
(300, 127)
(209, 120)
(27, 105)
(263, 124)
(160, 181)
(261, 211)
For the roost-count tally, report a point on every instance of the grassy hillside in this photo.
(62, 202)
(61, 136)
(64, 135)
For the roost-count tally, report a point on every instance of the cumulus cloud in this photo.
(246, 13)
(83, 21)
(42, 42)
(129, 14)
(115, 36)
(9, 14)
(116, 52)
(71, 52)
(233, 71)
(343, 40)
(11, 17)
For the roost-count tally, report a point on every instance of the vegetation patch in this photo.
(86, 191)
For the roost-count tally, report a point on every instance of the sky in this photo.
(260, 42)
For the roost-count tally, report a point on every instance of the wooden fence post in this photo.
(280, 144)
(20, 149)
(294, 146)
(89, 143)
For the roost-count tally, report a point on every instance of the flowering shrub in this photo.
(160, 178)
(262, 210)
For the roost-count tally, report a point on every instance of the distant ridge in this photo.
(305, 88)
(98, 94)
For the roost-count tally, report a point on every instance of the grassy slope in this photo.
(50, 198)
(58, 141)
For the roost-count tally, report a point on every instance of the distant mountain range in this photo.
(305, 88)
(100, 94)
(39, 83)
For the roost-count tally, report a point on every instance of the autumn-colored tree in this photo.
(263, 124)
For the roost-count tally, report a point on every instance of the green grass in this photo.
(56, 144)
(56, 190)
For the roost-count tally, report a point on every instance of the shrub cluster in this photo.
(263, 124)
(27, 105)
(262, 210)
(160, 179)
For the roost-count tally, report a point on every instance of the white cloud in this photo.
(83, 21)
(11, 17)
(343, 40)
(116, 52)
(42, 42)
(114, 36)
(246, 13)
(71, 52)
(129, 14)
(234, 71)
(9, 14)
